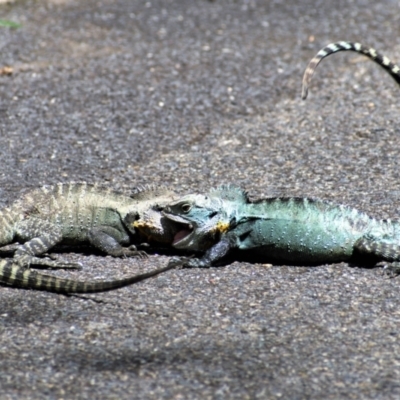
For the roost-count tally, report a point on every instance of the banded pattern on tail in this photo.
(380, 59)
(13, 275)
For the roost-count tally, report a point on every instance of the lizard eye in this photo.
(186, 207)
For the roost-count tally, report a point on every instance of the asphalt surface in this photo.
(193, 94)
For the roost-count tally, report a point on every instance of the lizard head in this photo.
(144, 214)
(204, 218)
(198, 217)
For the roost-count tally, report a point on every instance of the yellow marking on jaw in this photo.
(221, 227)
(143, 225)
(138, 224)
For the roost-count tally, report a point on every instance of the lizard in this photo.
(283, 229)
(370, 52)
(14, 275)
(80, 212)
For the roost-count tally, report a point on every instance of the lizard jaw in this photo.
(182, 235)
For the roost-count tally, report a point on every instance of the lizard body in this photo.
(295, 230)
(381, 60)
(79, 212)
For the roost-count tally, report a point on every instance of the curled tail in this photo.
(383, 61)
(14, 275)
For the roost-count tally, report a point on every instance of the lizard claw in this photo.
(134, 252)
(141, 254)
(130, 251)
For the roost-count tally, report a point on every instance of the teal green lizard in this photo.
(292, 230)
(75, 213)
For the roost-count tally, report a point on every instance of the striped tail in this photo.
(14, 275)
(383, 61)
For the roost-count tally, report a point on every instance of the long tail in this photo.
(383, 61)
(14, 275)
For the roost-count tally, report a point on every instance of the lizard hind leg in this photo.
(388, 251)
(39, 236)
(391, 269)
(382, 248)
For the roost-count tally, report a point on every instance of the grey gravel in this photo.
(194, 94)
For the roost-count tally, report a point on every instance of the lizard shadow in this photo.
(132, 358)
(356, 261)
(247, 256)
(87, 249)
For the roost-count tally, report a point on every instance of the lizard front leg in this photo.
(212, 255)
(109, 240)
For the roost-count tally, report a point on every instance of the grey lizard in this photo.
(79, 212)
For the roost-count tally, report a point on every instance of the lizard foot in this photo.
(138, 253)
(27, 261)
(10, 248)
(130, 251)
(391, 270)
(175, 262)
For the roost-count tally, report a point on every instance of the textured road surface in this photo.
(193, 94)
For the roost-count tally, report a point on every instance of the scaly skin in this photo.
(381, 60)
(294, 230)
(14, 275)
(79, 212)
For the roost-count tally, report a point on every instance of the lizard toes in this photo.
(65, 265)
(138, 253)
(142, 254)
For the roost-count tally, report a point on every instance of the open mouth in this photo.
(185, 229)
(181, 235)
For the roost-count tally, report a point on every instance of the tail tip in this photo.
(304, 93)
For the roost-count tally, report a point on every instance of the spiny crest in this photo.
(230, 193)
(42, 194)
(148, 192)
(80, 187)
